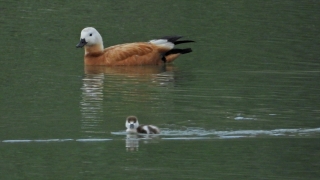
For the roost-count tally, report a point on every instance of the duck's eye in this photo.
(90, 34)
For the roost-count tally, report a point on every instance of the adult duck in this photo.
(154, 52)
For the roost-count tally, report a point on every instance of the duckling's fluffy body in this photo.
(133, 126)
(154, 52)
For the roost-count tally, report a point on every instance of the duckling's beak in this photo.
(81, 43)
(131, 126)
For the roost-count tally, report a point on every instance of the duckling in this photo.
(133, 126)
(154, 52)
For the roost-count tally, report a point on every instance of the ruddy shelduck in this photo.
(133, 127)
(154, 52)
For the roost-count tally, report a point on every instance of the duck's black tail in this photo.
(174, 39)
(175, 51)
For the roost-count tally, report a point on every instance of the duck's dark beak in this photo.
(131, 126)
(81, 43)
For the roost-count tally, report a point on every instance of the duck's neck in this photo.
(94, 49)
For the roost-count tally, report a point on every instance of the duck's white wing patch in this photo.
(162, 42)
(155, 128)
(158, 41)
(146, 128)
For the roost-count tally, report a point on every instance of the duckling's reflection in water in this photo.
(132, 140)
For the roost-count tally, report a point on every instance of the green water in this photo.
(243, 105)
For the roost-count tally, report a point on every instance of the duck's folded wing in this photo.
(124, 51)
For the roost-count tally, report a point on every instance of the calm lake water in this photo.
(243, 105)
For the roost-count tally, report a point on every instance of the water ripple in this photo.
(193, 134)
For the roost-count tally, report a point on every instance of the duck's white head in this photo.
(89, 37)
(132, 124)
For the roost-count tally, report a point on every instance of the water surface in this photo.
(243, 105)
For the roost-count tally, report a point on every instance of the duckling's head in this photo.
(90, 37)
(132, 124)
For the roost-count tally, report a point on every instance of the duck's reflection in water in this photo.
(161, 75)
(91, 102)
(128, 70)
(101, 83)
(132, 140)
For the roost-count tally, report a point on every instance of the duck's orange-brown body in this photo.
(154, 52)
(140, 53)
